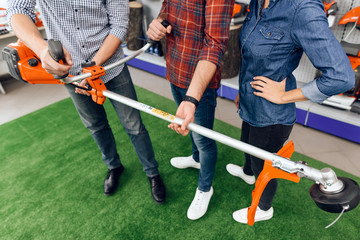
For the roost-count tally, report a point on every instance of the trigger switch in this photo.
(33, 62)
(88, 64)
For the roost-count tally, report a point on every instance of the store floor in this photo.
(21, 99)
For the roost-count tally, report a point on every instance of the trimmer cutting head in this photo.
(335, 202)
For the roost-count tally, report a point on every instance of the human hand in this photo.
(53, 67)
(82, 91)
(186, 111)
(157, 31)
(270, 90)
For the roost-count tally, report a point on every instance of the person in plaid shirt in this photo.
(195, 43)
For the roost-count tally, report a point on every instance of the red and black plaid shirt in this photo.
(200, 31)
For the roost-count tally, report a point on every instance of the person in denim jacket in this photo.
(273, 38)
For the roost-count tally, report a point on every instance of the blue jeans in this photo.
(94, 118)
(204, 149)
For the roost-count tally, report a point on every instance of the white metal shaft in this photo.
(278, 161)
(108, 67)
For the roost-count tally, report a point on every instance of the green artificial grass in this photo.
(51, 186)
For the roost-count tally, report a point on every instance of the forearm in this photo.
(27, 32)
(107, 49)
(294, 95)
(203, 74)
(275, 92)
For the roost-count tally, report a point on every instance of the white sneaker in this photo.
(184, 162)
(237, 171)
(260, 215)
(200, 204)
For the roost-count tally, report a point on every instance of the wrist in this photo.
(41, 51)
(193, 100)
(284, 98)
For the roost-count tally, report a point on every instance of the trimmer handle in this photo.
(165, 23)
(57, 53)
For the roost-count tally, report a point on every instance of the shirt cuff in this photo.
(119, 33)
(12, 11)
(312, 92)
(212, 55)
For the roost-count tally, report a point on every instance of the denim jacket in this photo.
(273, 45)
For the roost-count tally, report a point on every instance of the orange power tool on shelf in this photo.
(330, 193)
(331, 8)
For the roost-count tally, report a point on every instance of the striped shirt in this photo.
(200, 31)
(80, 25)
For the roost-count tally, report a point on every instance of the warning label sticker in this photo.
(163, 114)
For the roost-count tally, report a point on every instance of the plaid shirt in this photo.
(200, 31)
(80, 25)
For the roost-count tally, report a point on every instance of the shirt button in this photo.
(269, 34)
(78, 28)
(76, 10)
(82, 46)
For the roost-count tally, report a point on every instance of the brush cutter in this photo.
(330, 193)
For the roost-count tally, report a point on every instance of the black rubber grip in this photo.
(165, 23)
(56, 50)
(57, 53)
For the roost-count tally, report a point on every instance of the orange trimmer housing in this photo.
(26, 66)
(96, 83)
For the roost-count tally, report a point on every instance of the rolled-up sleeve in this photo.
(25, 7)
(217, 17)
(118, 12)
(312, 33)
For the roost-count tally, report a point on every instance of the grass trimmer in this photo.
(330, 193)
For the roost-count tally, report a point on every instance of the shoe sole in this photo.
(256, 220)
(159, 202)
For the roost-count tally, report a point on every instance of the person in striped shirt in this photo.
(91, 31)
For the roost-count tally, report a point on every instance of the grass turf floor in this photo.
(51, 186)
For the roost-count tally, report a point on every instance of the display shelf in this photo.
(147, 62)
(229, 88)
(338, 122)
